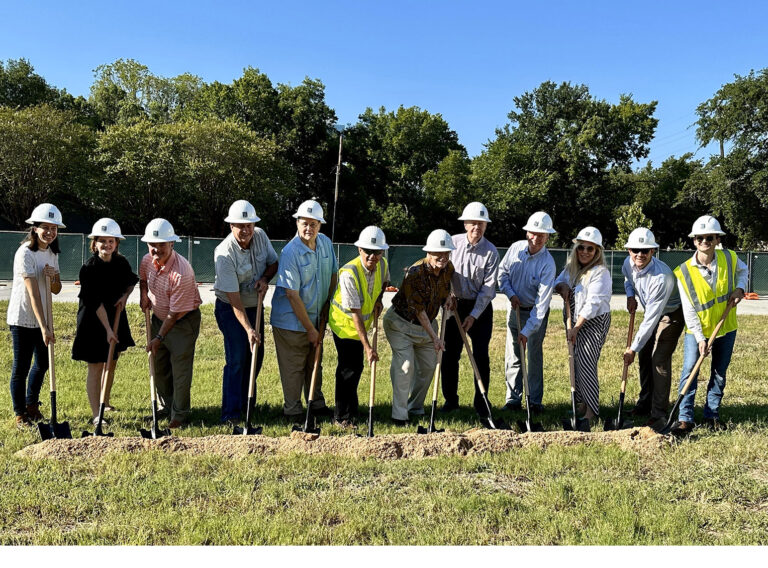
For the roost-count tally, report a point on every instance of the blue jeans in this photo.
(237, 355)
(27, 341)
(722, 349)
(512, 368)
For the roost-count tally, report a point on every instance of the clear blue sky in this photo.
(464, 60)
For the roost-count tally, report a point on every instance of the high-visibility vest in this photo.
(339, 318)
(709, 304)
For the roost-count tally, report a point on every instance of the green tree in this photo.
(560, 153)
(43, 157)
(629, 218)
(736, 185)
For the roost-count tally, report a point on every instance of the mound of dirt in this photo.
(387, 447)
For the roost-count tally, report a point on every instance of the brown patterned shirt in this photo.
(422, 290)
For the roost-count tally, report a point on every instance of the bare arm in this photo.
(237, 307)
(101, 313)
(37, 308)
(300, 311)
(426, 324)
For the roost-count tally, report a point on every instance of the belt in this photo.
(409, 320)
(525, 309)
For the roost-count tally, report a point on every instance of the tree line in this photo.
(141, 146)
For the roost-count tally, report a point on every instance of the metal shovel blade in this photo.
(494, 423)
(247, 430)
(527, 426)
(430, 430)
(154, 433)
(616, 424)
(576, 424)
(98, 432)
(57, 430)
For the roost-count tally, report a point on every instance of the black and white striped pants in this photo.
(589, 343)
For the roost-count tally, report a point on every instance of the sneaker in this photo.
(104, 421)
(449, 407)
(513, 406)
(175, 424)
(33, 412)
(656, 423)
(682, 428)
(23, 421)
(715, 424)
(401, 423)
(345, 424)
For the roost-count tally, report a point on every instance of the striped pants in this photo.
(589, 343)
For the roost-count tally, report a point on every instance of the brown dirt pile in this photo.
(388, 447)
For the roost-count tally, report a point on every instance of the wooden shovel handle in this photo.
(254, 351)
(110, 355)
(374, 344)
(630, 333)
(571, 366)
(463, 334)
(436, 378)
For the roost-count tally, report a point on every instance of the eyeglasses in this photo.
(708, 238)
(640, 251)
(588, 248)
(370, 252)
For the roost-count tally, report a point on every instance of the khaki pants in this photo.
(173, 365)
(295, 359)
(413, 363)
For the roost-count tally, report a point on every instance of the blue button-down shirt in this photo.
(656, 289)
(308, 272)
(531, 279)
(475, 267)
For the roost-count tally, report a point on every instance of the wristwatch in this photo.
(160, 337)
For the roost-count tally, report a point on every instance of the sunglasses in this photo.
(708, 238)
(640, 251)
(369, 252)
(588, 248)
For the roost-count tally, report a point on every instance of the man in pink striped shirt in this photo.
(168, 287)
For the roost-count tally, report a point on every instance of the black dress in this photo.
(101, 283)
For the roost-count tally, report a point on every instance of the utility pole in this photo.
(336, 190)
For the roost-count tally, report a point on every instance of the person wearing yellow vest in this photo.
(706, 282)
(355, 306)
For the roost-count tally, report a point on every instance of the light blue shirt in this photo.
(655, 288)
(475, 267)
(531, 279)
(308, 272)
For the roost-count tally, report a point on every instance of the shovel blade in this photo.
(247, 430)
(614, 424)
(57, 430)
(306, 429)
(494, 423)
(526, 426)
(154, 433)
(430, 430)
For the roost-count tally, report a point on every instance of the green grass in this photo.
(709, 489)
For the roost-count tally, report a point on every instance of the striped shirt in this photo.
(476, 267)
(171, 287)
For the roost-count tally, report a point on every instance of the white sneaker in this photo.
(104, 421)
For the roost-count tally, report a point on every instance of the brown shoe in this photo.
(23, 421)
(175, 424)
(33, 411)
(682, 428)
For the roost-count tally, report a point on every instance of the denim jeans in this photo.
(237, 355)
(27, 341)
(722, 348)
(512, 368)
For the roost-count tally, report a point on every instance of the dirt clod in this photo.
(388, 447)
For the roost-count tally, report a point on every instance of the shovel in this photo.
(436, 380)
(153, 433)
(572, 423)
(249, 430)
(619, 423)
(104, 382)
(53, 429)
(670, 421)
(488, 420)
(374, 344)
(526, 425)
(310, 425)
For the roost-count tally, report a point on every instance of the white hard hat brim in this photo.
(307, 216)
(582, 240)
(254, 219)
(642, 246)
(175, 239)
(702, 232)
(32, 221)
(473, 218)
(369, 246)
(438, 249)
(538, 230)
(95, 235)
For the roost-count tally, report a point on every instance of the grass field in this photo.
(709, 489)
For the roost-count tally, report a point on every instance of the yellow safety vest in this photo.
(709, 304)
(339, 318)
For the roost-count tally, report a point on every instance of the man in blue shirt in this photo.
(306, 280)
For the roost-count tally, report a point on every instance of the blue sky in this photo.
(464, 60)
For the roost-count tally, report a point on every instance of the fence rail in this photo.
(199, 252)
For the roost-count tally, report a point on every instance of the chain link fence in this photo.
(199, 252)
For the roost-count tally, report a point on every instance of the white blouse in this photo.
(592, 293)
(28, 263)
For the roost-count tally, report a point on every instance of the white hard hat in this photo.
(159, 231)
(106, 227)
(706, 225)
(439, 241)
(46, 213)
(641, 238)
(242, 212)
(372, 238)
(539, 222)
(475, 211)
(311, 210)
(590, 235)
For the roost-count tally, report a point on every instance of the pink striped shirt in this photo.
(171, 288)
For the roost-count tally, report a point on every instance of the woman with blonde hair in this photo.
(585, 283)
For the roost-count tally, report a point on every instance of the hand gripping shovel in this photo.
(436, 381)
(310, 425)
(374, 344)
(488, 421)
(104, 381)
(249, 430)
(671, 420)
(619, 423)
(53, 429)
(573, 423)
(526, 425)
(154, 433)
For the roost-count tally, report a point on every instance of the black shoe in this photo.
(640, 410)
(513, 406)
(401, 423)
(322, 412)
(449, 407)
(715, 424)
(682, 428)
(536, 409)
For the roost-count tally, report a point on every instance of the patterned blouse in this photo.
(422, 290)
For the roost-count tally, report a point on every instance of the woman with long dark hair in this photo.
(35, 274)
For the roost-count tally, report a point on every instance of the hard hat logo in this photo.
(642, 239)
(50, 214)
(482, 213)
(442, 243)
(155, 233)
(104, 228)
(309, 210)
(373, 240)
(245, 214)
(536, 223)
